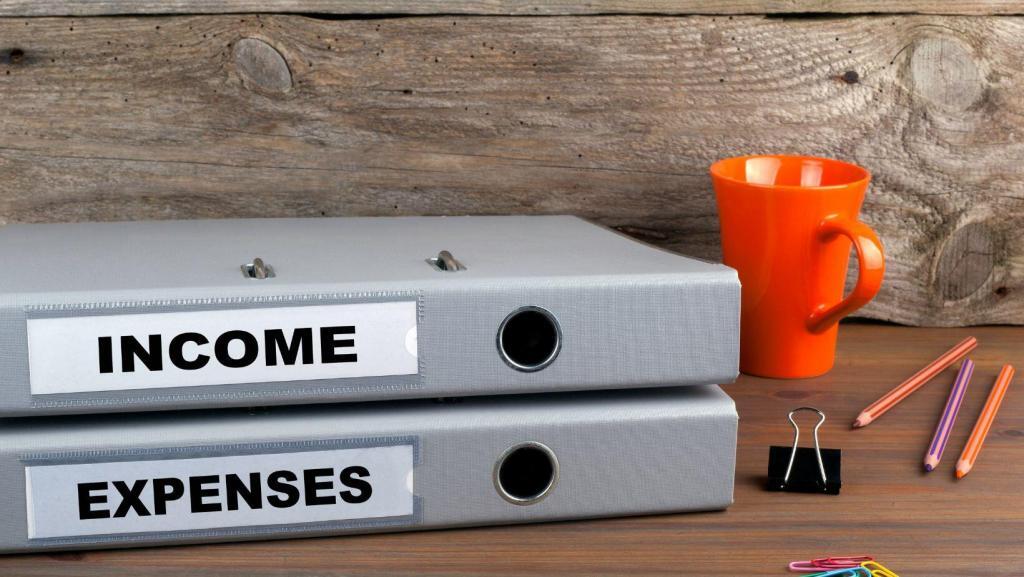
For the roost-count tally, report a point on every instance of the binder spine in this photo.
(166, 479)
(602, 332)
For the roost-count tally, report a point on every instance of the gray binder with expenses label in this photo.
(93, 481)
(101, 317)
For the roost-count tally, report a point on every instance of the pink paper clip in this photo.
(827, 563)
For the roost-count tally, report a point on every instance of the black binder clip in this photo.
(802, 469)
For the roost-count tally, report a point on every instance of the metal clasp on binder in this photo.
(257, 269)
(445, 262)
(802, 469)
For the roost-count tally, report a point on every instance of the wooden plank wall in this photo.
(608, 115)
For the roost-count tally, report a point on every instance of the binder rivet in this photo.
(257, 269)
(445, 262)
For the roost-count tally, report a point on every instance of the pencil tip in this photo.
(858, 423)
(928, 467)
(960, 473)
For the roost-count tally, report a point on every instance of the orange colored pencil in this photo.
(988, 414)
(893, 397)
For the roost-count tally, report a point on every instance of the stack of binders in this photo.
(509, 369)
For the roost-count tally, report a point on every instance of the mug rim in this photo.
(716, 171)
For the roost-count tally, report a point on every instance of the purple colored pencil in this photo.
(945, 426)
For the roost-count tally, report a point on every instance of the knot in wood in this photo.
(261, 66)
(966, 261)
(15, 56)
(943, 71)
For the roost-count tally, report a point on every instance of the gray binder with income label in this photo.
(93, 481)
(99, 317)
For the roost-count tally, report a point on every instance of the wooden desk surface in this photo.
(917, 523)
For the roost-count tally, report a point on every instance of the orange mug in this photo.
(787, 224)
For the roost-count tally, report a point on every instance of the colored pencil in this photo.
(890, 399)
(945, 426)
(988, 414)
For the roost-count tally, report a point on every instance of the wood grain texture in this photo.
(917, 523)
(614, 118)
(503, 7)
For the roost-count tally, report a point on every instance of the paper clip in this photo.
(847, 572)
(829, 563)
(876, 569)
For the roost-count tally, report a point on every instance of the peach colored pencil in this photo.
(893, 397)
(988, 414)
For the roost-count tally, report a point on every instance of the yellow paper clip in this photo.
(877, 569)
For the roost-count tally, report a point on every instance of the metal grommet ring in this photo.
(537, 496)
(529, 367)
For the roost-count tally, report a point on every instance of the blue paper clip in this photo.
(849, 572)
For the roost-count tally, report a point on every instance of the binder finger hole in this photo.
(529, 339)
(526, 473)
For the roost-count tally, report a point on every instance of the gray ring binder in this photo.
(654, 318)
(438, 470)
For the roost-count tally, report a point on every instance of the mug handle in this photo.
(871, 262)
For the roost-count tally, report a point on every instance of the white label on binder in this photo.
(222, 347)
(125, 497)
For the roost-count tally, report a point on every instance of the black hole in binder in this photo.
(526, 473)
(529, 339)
